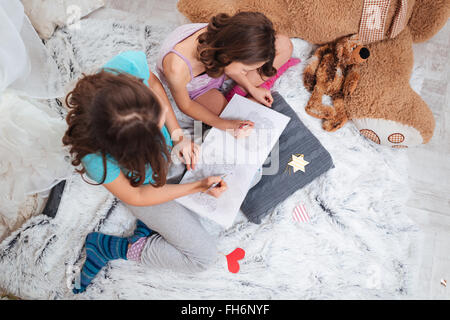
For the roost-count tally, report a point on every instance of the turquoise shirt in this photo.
(134, 63)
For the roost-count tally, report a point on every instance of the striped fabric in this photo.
(373, 21)
(140, 232)
(101, 248)
(400, 19)
(300, 214)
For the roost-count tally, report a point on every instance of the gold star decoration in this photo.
(298, 162)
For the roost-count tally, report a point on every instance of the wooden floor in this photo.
(429, 168)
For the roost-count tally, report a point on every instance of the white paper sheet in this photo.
(238, 158)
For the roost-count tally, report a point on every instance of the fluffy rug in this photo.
(359, 244)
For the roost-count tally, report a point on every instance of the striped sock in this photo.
(141, 231)
(101, 248)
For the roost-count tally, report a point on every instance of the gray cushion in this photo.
(273, 189)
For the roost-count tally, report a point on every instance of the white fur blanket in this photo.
(359, 244)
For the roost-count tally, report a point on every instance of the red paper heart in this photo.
(232, 259)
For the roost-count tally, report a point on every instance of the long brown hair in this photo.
(113, 113)
(247, 37)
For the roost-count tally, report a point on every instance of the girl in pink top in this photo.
(196, 59)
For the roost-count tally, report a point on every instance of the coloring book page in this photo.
(239, 159)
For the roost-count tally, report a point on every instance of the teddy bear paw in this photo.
(349, 89)
(321, 112)
(395, 138)
(333, 124)
(389, 133)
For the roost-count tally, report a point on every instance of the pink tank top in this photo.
(199, 84)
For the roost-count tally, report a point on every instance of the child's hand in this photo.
(216, 191)
(241, 128)
(187, 151)
(262, 95)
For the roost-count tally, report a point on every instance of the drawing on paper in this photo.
(239, 158)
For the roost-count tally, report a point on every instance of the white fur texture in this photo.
(359, 244)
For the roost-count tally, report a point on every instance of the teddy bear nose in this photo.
(364, 53)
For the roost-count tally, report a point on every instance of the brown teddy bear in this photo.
(334, 71)
(383, 106)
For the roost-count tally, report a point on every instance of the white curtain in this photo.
(32, 156)
(25, 65)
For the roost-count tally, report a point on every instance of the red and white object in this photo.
(374, 17)
(300, 214)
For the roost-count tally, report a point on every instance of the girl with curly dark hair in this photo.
(121, 133)
(196, 59)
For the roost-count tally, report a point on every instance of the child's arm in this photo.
(178, 77)
(198, 112)
(148, 195)
(171, 120)
(261, 95)
(185, 148)
(190, 107)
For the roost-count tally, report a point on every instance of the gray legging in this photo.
(181, 242)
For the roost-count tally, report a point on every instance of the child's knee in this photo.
(284, 46)
(204, 258)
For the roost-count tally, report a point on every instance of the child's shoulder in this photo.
(175, 70)
(131, 62)
(93, 163)
(174, 64)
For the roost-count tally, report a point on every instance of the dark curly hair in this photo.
(117, 114)
(247, 37)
